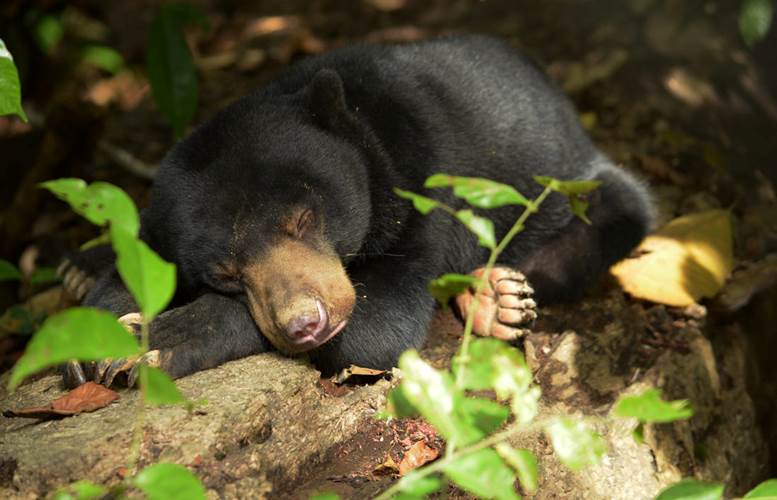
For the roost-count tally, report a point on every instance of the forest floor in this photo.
(665, 87)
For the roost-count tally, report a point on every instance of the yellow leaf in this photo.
(685, 260)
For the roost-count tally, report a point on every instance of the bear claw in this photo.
(506, 309)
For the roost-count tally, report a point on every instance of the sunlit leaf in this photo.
(10, 89)
(414, 486)
(160, 388)
(755, 19)
(434, 395)
(482, 227)
(164, 481)
(81, 333)
(687, 259)
(98, 202)
(449, 285)
(170, 67)
(398, 404)
(421, 203)
(767, 489)
(523, 463)
(567, 188)
(484, 474)
(576, 444)
(478, 192)
(579, 206)
(324, 495)
(149, 278)
(691, 489)
(485, 414)
(80, 490)
(8, 271)
(649, 407)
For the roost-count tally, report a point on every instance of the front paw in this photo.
(505, 307)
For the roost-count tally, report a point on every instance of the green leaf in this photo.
(691, 489)
(149, 278)
(10, 89)
(165, 481)
(649, 407)
(160, 388)
(103, 57)
(482, 227)
(484, 474)
(639, 433)
(421, 203)
(567, 188)
(414, 486)
(435, 396)
(325, 495)
(398, 404)
(44, 276)
(99, 202)
(170, 67)
(48, 32)
(479, 192)
(80, 490)
(484, 414)
(767, 489)
(579, 206)
(8, 271)
(448, 285)
(81, 333)
(755, 19)
(103, 239)
(523, 462)
(494, 364)
(576, 444)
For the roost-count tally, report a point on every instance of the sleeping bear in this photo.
(280, 216)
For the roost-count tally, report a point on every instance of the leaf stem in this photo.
(140, 421)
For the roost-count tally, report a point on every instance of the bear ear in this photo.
(326, 98)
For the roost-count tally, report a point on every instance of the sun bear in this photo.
(280, 216)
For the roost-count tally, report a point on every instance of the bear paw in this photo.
(104, 372)
(506, 309)
(75, 282)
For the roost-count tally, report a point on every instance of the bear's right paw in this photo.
(506, 309)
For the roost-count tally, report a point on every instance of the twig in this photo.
(127, 161)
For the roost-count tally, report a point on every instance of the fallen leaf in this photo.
(351, 373)
(84, 398)
(418, 454)
(387, 468)
(687, 259)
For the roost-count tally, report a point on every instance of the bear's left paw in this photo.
(104, 372)
(506, 309)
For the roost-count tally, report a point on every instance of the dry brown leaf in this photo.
(84, 398)
(418, 454)
(686, 260)
(357, 373)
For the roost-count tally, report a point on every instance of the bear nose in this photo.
(309, 324)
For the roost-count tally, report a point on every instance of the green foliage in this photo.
(767, 489)
(103, 57)
(575, 192)
(483, 473)
(575, 443)
(99, 202)
(478, 192)
(420, 203)
(165, 481)
(325, 495)
(48, 32)
(10, 89)
(150, 279)
(81, 333)
(81, 490)
(482, 228)
(444, 288)
(755, 19)
(170, 66)
(44, 276)
(691, 489)
(523, 463)
(8, 271)
(649, 407)
(415, 485)
(159, 388)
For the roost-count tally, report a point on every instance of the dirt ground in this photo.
(666, 87)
